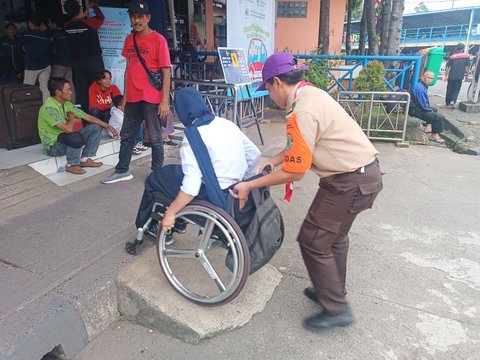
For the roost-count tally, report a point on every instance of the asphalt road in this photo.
(440, 88)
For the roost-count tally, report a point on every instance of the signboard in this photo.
(234, 66)
(251, 26)
(292, 9)
(112, 36)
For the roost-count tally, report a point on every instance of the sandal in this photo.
(425, 131)
(439, 140)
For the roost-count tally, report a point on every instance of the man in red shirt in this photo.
(143, 100)
(101, 94)
(457, 66)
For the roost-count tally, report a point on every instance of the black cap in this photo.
(139, 7)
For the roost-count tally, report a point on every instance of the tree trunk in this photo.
(363, 31)
(348, 44)
(385, 23)
(369, 10)
(324, 26)
(396, 22)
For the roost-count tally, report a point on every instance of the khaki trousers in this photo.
(42, 76)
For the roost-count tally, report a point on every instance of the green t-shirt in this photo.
(51, 114)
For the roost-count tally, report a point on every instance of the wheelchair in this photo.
(195, 264)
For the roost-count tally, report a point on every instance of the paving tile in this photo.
(19, 157)
(45, 167)
(37, 148)
(116, 146)
(65, 178)
(104, 150)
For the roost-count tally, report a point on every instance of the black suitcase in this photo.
(20, 105)
(4, 133)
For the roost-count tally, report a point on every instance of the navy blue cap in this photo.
(139, 7)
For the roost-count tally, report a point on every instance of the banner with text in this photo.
(251, 26)
(112, 36)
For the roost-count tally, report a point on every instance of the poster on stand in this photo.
(251, 26)
(112, 36)
(234, 66)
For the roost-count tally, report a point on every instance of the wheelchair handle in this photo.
(267, 169)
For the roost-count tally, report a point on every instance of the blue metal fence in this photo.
(430, 34)
(404, 73)
(438, 34)
(401, 74)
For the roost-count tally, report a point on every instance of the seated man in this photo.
(233, 156)
(60, 128)
(420, 108)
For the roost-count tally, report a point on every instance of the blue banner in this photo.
(112, 36)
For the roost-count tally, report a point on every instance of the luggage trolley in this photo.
(208, 263)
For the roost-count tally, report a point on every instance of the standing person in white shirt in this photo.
(116, 120)
(116, 113)
(233, 155)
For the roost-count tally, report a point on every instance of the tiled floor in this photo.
(109, 162)
(48, 166)
(23, 156)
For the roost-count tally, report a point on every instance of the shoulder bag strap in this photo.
(142, 61)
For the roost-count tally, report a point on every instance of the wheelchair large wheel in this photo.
(196, 263)
(471, 91)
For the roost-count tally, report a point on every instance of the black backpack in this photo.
(262, 224)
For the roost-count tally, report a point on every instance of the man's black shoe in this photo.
(325, 321)
(311, 293)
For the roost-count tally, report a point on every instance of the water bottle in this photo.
(61, 168)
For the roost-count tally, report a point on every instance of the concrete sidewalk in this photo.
(462, 129)
(61, 249)
(413, 276)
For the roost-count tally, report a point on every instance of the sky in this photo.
(439, 4)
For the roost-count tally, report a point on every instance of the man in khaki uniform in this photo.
(322, 137)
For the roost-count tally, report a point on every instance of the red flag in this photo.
(288, 191)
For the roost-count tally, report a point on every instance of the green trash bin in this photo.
(434, 61)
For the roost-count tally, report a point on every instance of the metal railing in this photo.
(405, 72)
(381, 115)
(224, 101)
(438, 33)
(429, 34)
(197, 65)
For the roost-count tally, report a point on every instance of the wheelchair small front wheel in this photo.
(132, 247)
(209, 263)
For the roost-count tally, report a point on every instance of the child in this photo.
(116, 120)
